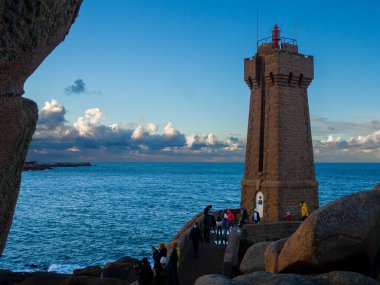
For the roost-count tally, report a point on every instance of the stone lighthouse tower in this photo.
(279, 164)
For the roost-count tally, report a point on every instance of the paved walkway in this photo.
(210, 261)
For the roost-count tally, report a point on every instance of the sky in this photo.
(143, 80)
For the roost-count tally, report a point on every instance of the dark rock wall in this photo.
(29, 31)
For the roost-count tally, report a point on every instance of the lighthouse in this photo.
(279, 169)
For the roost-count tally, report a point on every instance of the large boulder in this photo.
(343, 235)
(272, 253)
(46, 278)
(121, 269)
(266, 278)
(213, 279)
(376, 187)
(253, 259)
(29, 31)
(93, 271)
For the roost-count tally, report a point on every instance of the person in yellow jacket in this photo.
(304, 210)
(178, 250)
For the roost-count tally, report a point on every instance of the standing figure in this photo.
(145, 274)
(207, 221)
(195, 237)
(176, 248)
(255, 216)
(304, 210)
(157, 265)
(213, 221)
(162, 249)
(244, 217)
(171, 269)
(226, 227)
(207, 209)
(231, 218)
(219, 225)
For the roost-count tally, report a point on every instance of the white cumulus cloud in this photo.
(85, 125)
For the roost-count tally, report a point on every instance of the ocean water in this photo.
(68, 218)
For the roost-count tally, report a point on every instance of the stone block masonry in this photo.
(279, 164)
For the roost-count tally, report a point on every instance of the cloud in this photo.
(90, 140)
(86, 124)
(359, 148)
(322, 126)
(78, 87)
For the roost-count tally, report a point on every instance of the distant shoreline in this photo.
(34, 165)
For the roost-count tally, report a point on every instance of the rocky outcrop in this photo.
(121, 269)
(213, 279)
(376, 187)
(343, 235)
(266, 278)
(271, 255)
(29, 31)
(93, 271)
(32, 278)
(253, 259)
(85, 280)
(18, 117)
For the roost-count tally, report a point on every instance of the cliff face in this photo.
(29, 31)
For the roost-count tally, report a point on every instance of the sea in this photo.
(69, 218)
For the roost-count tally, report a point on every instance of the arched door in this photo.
(260, 203)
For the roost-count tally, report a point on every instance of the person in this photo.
(161, 279)
(156, 258)
(171, 272)
(162, 249)
(231, 218)
(177, 250)
(207, 222)
(244, 217)
(144, 273)
(213, 221)
(219, 225)
(226, 226)
(195, 237)
(304, 210)
(255, 216)
(288, 216)
(207, 209)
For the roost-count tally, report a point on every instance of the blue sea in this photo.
(69, 218)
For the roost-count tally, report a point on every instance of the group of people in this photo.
(244, 217)
(220, 224)
(164, 268)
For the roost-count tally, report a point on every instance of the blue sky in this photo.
(142, 66)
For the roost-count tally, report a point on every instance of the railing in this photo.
(283, 41)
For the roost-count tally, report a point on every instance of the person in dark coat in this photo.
(195, 237)
(207, 223)
(156, 259)
(145, 274)
(207, 209)
(244, 217)
(162, 249)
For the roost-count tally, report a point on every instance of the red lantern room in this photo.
(276, 36)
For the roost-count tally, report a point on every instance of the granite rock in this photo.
(343, 235)
(271, 255)
(253, 259)
(29, 31)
